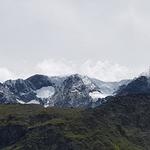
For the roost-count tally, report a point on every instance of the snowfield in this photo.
(45, 92)
(96, 95)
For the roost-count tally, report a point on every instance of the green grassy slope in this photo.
(120, 124)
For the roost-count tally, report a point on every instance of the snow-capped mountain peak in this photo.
(68, 91)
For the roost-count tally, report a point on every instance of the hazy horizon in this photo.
(108, 40)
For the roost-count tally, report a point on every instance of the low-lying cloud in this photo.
(103, 70)
(6, 74)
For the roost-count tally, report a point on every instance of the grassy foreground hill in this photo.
(123, 123)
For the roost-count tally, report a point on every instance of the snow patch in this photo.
(96, 95)
(86, 80)
(45, 92)
(20, 101)
(33, 102)
(46, 106)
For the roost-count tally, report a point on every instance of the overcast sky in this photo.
(106, 39)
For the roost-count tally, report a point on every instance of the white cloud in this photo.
(5, 74)
(54, 68)
(103, 70)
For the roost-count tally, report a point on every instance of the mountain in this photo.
(121, 123)
(68, 91)
(6, 96)
(140, 85)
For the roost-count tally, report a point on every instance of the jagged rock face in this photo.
(75, 92)
(21, 88)
(70, 91)
(18, 86)
(25, 90)
(6, 96)
(140, 85)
